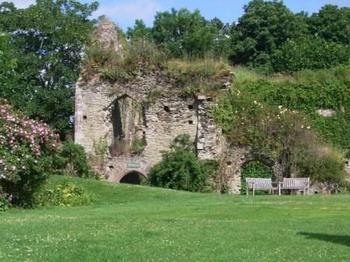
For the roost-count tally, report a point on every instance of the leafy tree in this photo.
(309, 53)
(183, 33)
(221, 41)
(48, 38)
(139, 31)
(263, 28)
(332, 23)
(8, 66)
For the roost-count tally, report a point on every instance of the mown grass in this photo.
(133, 223)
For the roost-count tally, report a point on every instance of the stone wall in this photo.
(167, 118)
(149, 107)
(164, 117)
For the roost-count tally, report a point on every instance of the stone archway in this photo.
(231, 167)
(133, 177)
(256, 168)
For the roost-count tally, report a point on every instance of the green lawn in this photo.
(132, 223)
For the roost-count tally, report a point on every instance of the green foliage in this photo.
(266, 33)
(62, 194)
(139, 31)
(254, 169)
(308, 91)
(184, 33)
(263, 28)
(137, 146)
(8, 65)
(332, 24)
(4, 201)
(274, 118)
(26, 151)
(321, 163)
(309, 53)
(143, 57)
(138, 57)
(46, 45)
(71, 160)
(180, 169)
(199, 76)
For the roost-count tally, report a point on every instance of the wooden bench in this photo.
(259, 184)
(299, 183)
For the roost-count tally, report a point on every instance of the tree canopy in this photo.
(264, 29)
(45, 44)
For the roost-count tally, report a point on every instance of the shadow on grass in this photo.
(337, 239)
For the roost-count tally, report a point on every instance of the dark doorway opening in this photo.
(133, 177)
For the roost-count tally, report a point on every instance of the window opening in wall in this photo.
(84, 117)
(117, 121)
(190, 107)
(118, 146)
(166, 109)
(190, 122)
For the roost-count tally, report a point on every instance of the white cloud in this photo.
(21, 3)
(128, 11)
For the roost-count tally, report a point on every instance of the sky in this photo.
(124, 12)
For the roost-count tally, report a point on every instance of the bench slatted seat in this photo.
(259, 184)
(299, 183)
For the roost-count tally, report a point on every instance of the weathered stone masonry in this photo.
(149, 110)
(157, 123)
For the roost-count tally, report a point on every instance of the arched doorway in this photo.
(133, 177)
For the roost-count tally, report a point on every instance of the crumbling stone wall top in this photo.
(107, 35)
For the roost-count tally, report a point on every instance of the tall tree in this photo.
(48, 38)
(183, 33)
(221, 41)
(139, 31)
(332, 23)
(263, 28)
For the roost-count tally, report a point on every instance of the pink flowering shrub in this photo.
(26, 152)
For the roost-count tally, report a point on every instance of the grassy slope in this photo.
(131, 223)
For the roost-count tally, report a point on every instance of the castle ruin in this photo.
(133, 130)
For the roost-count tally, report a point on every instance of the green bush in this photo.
(309, 53)
(320, 163)
(27, 148)
(254, 169)
(284, 135)
(4, 202)
(62, 194)
(180, 169)
(71, 160)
